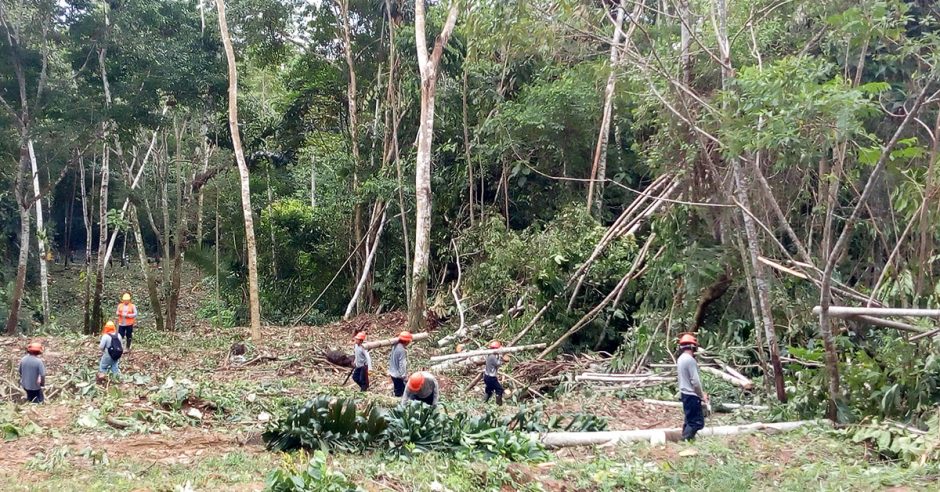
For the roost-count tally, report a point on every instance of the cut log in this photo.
(659, 436)
(476, 328)
(458, 363)
(721, 406)
(847, 311)
(621, 378)
(897, 325)
(473, 353)
(727, 377)
(388, 342)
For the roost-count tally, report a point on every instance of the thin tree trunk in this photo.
(685, 41)
(466, 146)
(313, 181)
(599, 165)
(87, 219)
(428, 65)
(20, 283)
(926, 244)
(254, 303)
(152, 291)
(742, 185)
(40, 237)
(201, 198)
(351, 96)
(367, 268)
(96, 311)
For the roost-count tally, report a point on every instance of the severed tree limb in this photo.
(746, 384)
(658, 436)
(473, 353)
(388, 342)
(640, 257)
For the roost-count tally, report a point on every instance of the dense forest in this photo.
(600, 175)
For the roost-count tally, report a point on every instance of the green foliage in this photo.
(327, 423)
(406, 430)
(315, 476)
(898, 442)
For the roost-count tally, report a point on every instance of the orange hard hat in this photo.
(361, 336)
(415, 382)
(109, 327)
(495, 344)
(34, 348)
(688, 339)
(405, 337)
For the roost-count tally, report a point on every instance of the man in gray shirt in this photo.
(422, 386)
(363, 362)
(690, 387)
(490, 371)
(398, 363)
(33, 373)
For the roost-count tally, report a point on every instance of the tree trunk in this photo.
(40, 236)
(428, 65)
(201, 198)
(152, 291)
(741, 187)
(20, 282)
(926, 244)
(599, 165)
(97, 314)
(254, 303)
(87, 220)
(351, 97)
(367, 267)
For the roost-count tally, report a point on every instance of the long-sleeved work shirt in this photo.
(398, 362)
(363, 359)
(689, 382)
(32, 373)
(429, 388)
(493, 361)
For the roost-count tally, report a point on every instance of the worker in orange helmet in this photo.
(362, 363)
(112, 349)
(398, 363)
(33, 373)
(690, 387)
(422, 386)
(127, 318)
(490, 372)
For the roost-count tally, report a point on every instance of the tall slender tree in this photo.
(252, 256)
(427, 65)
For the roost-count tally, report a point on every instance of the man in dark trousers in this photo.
(490, 372)
(33, 373)
(362, 363)
(690, 387)
(398, 363)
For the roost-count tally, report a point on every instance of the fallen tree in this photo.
(466, 332)
(658, 436)
(720, 407)
(746, 384)
(388, 342)
(473, 353)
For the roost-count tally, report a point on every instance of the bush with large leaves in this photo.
(325, 423)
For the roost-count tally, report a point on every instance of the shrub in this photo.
(315, 476)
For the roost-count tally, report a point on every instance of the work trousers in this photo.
(694, 418)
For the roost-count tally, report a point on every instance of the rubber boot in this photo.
(499, 400)
(487, 396)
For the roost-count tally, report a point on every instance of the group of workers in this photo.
(420, 385)
(115, 340)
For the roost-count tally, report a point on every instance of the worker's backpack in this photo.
(116, 350)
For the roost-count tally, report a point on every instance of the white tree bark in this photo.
(244, 178)
(599, 165)
(657, 436)
(388, 342)
(472, 353)
(366, 268)
(40, 236)
(427, 65)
